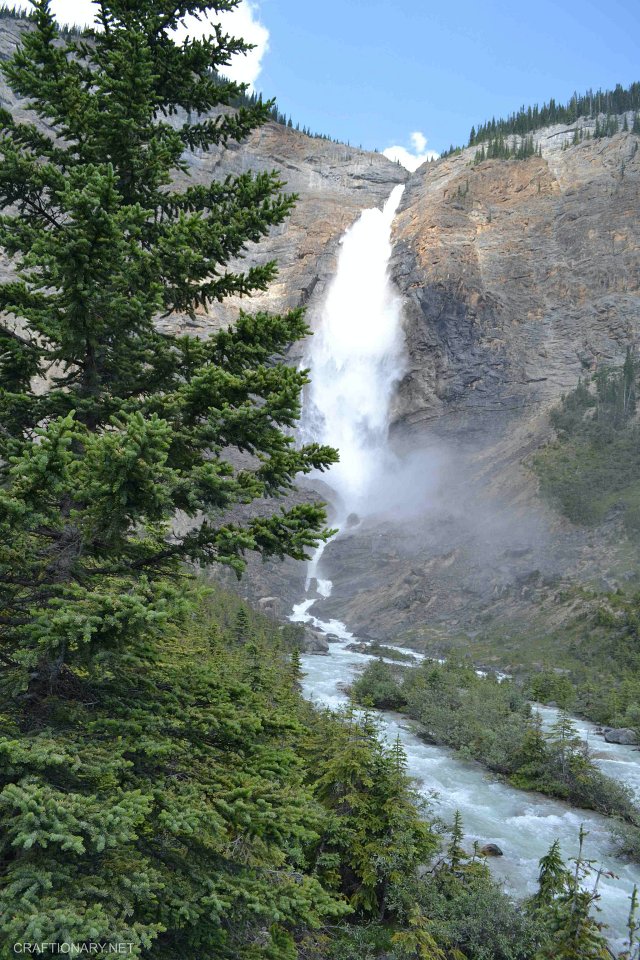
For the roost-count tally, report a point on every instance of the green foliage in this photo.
(491, 721)
(469, 916)
(567, 908)
(594, 466)
(378, 687)
(606, 128)
(549, 686)
(501, 148)
(165, 803)
(417, 943)
(134, 425)
(375, 839)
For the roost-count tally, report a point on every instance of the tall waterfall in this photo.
(356, 359)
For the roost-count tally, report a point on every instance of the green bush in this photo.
(378, 687)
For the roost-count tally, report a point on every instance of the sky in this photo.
(411, 77)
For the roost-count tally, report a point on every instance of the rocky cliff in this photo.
(517, 277)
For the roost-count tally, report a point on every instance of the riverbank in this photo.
(521, 823)
(491, 721)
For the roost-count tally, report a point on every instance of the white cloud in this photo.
(242, 22)
(412, 159)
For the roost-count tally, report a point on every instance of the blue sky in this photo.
(373, 73)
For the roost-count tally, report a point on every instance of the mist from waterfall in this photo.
(356, 359)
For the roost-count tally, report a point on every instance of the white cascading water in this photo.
(356, 359)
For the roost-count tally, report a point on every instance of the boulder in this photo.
(332, 638)
(358, 647)
(315, 642)
(623, 735)
(491, 850)
(272, 606)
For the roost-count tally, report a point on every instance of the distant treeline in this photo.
(501, 149)
(589, 104)
(23, 13)
(282, 118)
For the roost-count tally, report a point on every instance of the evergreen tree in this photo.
(241, 626)
(589, 104)
(553, 876)
(417, 943)
(455, 851)
(572, 932)
(134, 423)
(565, 742)
(148, 792)
(375, 839)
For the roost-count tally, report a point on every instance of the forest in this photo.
(589, 104)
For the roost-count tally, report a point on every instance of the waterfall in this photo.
(356, 358)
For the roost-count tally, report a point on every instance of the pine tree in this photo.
(553, 876)
(565, 742)
(455, 851)
(417, 943)
(375, 839)
(148, 791)
(134, 423)
(242, 626)
(567, 907)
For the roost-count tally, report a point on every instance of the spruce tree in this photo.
(148, 794)
(571, 930)
(109, 425)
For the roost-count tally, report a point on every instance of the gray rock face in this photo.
(623, 735)
(315, 642)
(518, 276)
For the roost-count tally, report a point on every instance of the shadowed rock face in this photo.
(517, 277)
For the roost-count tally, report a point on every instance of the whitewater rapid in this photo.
(356, 359)
(522, 824)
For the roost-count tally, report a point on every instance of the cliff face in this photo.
(333, 183)
(517, 277)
